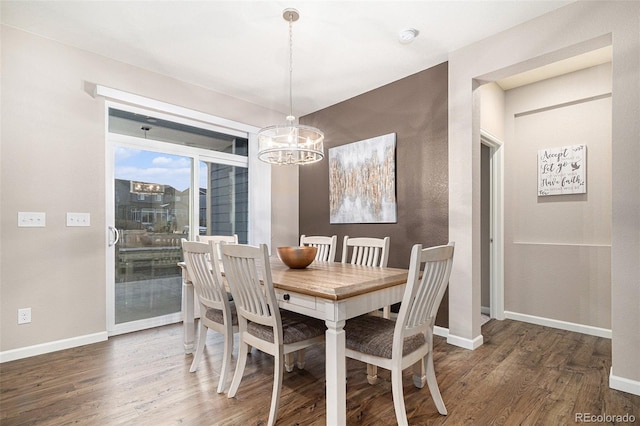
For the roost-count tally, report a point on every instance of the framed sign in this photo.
(145, 188)
(562, 170)
(362, 181)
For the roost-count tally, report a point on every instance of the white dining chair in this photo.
(227, 239)
(326, 253)
(261, 322)
(326, 246)
(219, 311)
(368, 251)
(365, 251)
(396, 345)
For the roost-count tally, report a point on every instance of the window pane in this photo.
(143, 126)
(151, 214)
(224, 200)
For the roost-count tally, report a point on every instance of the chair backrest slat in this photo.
(248, 274)
(205, 275)
(427, 293)
(244, 273)
(326, 246)
(429, 272)
(366, 251)
(322, 251)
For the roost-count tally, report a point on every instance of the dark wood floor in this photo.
(523, 375)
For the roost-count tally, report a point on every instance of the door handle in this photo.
(114, 231)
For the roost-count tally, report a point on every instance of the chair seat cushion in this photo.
(374, 336)
(215, 315)
(295, 328)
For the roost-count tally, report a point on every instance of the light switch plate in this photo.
(31, 219)
(78, 219)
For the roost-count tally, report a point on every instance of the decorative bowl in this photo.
(298, 257)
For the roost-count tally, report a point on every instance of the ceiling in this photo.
(240, 48)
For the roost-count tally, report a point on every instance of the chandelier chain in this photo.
(291, 66)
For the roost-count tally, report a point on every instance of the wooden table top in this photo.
(334, 280)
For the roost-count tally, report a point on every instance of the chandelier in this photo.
(290, 143)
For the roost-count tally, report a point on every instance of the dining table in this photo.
(330, 291)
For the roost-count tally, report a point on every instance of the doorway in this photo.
(491, 229)
(485, 232)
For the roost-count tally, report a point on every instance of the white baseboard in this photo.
(623, 384)
(440, 331)
(485, 310)
(58, 345)
(463, 342)
(458, 341)
(562, 325)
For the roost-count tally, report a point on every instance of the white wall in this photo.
(558, 248)
(53, 161)
(492, 110)
(566, 32)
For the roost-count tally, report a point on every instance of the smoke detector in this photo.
(406, 36)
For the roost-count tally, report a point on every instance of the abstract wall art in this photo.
(362, 181)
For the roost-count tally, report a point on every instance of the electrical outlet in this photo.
(24, 316)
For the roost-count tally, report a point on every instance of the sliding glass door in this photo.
(152, 216)
(171, 181)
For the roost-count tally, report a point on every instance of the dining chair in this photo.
(326, 246)
(396, 345)
(227, 239)
(219, 310)
(326, 253)
(366, 251)
(369, 252)
(261, 322)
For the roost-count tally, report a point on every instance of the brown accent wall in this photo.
(416, 109)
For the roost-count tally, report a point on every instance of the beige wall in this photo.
(558, 248)
(284, 228)
(53, 161)
(564, 33)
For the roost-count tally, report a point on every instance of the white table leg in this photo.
(188, 323)
(336, 372)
